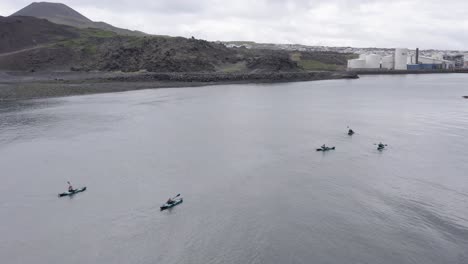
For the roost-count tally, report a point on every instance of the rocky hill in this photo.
(62, 14)
(28, 43)
(33, 44)
(18, 33)
(105, 51)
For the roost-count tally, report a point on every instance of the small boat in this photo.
(325, 149)
(381, 146)
(72, 192)
(465, 96)
(170, 205)
(350, 133)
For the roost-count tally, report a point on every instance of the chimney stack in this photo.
(417, 55)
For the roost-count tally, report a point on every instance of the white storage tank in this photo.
(373, 61)
(388, 62)
(401, 57)
(356, 64)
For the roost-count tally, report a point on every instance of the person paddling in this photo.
(324, 147)
(70, 187)
(350, 132)
(381, 145)
(171, 200)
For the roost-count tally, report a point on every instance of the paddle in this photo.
(381, 147)
(172, 199)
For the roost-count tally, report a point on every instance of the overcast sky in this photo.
(358, 23)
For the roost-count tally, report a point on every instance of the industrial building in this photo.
(357, 63)
(429, 63)
(458, 59)
(375, 61)
(388, 62)
(402, 59)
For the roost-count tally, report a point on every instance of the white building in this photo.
(401, 56)
(373, 61)
(356, 64)
(388, 62)
(396, 61)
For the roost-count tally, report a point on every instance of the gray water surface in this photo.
(243, 157)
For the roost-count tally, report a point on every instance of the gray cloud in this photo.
(361, 23)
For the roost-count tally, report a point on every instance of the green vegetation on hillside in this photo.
(96, 33)
(88, 40)
(308, 63)
(352, 56)
(235, 67)
(313, 65)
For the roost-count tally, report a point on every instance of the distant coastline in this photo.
(31, 85)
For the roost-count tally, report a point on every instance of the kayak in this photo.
(381, 147)
(325, 149)
(167, 205)
(72, 192)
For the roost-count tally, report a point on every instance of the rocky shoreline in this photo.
(235, 77)
(25, 85)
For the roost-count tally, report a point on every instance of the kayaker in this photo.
(324, 147)
(350, 132)
(170, 201)
(70, 187)
(381, 145)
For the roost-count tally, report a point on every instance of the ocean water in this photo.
(243, 157)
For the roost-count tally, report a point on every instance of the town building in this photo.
(403, 59)
(458, 59)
